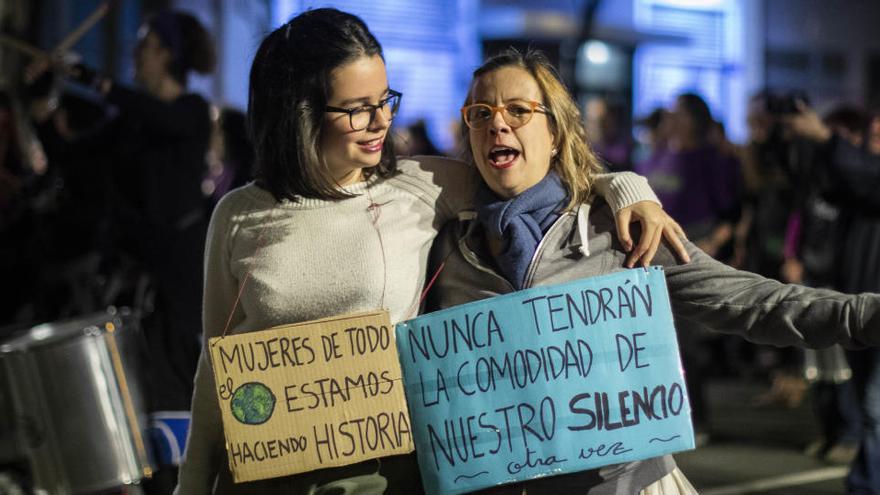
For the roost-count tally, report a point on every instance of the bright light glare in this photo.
(597, 52)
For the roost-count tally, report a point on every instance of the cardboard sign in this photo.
(545, 381)
(308, 396)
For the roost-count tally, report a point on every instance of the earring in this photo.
(553, 152)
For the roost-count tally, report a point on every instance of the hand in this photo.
(36, 69)
(718, 238)
(88, 77)
(792, 271)
(38, 79)
(656, 225)
(707, 246)
(806, 123)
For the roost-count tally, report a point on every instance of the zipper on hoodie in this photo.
(533, 265)
(477, 263)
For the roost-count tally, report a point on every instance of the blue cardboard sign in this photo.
(545, 381)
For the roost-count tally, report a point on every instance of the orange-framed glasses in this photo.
(516, 113)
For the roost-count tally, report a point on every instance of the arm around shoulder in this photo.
(450, 184)
(624, 189)
(632, 199)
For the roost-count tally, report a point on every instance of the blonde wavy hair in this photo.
(574, 161)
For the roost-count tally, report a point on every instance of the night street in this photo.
(758, 449)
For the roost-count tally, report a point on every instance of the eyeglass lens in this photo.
(515, 114)
(363, 116)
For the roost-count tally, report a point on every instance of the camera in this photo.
(784, 103)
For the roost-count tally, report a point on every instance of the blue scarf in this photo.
(521, 222)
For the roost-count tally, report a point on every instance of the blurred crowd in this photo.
(797, 202)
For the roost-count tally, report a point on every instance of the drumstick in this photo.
(23, 46)
(65, 44)
(80, 31)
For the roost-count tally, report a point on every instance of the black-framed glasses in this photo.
(516, 113)
(361, 117)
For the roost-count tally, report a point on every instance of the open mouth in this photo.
(503, 156)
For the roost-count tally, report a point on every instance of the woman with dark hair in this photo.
(536, 223)
(334, 224)
(694, 119)
(162, 142)
(231, 154)
(692, 178)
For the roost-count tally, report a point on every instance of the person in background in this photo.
(775, 166)
(855, 171)
(609, 129)
(157, 143)
(230, 157)
(72, 201)
(812, 251)
(416, 141)
(651, 138)
(696, 182)
(699, 185)
(16, 224)
(775, 162)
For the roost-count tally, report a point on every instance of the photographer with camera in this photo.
(775, 162)
(812, 245)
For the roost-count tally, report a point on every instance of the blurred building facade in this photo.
(640, 52)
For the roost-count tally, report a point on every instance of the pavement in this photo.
(758, 450)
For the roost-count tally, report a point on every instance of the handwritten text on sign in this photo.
(545, 381)
(310, 396)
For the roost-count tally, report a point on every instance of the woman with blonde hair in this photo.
(538, 222)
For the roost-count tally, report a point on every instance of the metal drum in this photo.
(75, 398)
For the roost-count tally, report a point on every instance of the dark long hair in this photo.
(695, 106)
(289, 88)
(190, 44)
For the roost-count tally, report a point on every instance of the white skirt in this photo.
(674, 483)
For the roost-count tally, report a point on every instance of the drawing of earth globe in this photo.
(252, 403)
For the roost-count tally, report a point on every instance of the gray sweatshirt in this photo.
(582, 244)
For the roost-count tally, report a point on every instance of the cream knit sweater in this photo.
(320, 258)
